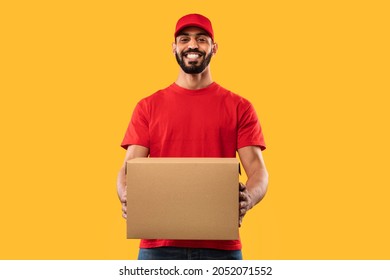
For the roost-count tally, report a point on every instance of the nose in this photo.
(193, 44)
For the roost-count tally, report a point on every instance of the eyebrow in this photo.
(197, 34)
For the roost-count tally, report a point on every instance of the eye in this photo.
(184, 39)
(202, 39)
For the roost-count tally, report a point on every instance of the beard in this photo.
(193, 68)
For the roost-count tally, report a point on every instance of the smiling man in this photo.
(195, 54)
(196, 117)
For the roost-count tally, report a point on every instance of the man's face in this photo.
(193, 50)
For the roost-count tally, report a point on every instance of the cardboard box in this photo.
(182, 198)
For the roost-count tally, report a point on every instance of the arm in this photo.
(133, 151)
(256, 186)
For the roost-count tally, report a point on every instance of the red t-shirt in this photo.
(208, 122)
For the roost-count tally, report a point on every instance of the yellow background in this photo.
(317, 73)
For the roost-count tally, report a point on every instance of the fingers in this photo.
(243, 202)
(123, 197)
(123, 200)
(124, 210)
(243, 211)
(243, 196)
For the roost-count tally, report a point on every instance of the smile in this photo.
(192, 55)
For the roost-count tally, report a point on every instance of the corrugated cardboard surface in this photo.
(182, 198)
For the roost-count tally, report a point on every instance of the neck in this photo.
(194, 81)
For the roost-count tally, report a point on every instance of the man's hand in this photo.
(122, 192)
(255, 188)
(133, 151)
(244, 202)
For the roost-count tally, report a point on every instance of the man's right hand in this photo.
(122, 193)
(133, 151)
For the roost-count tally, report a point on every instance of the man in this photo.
(196, 117)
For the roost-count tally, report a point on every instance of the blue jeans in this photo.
(177, 253)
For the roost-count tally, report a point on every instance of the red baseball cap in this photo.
(196, 20)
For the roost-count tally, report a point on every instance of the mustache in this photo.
(193, 51)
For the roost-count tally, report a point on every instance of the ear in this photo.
(214, 48)
(174, 47)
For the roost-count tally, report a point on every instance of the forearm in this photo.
(257, 186)
(133, 151)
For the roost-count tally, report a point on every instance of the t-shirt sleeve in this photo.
(249, 128)
(137, 132)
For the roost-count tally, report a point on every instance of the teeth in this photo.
(192, 55)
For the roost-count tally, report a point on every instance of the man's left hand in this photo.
(244, 202)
